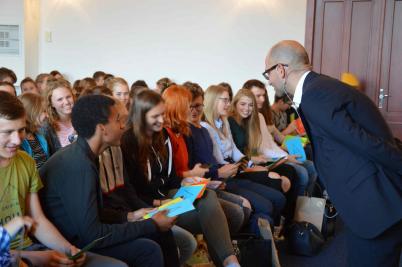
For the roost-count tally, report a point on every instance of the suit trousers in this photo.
(384, 250)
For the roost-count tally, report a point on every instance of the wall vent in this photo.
(9, 40)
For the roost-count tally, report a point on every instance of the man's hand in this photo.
(138, 214)
(164, 222)
(227, 170)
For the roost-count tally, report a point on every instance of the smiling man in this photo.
(354, 152)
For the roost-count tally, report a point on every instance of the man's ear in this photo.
(282, 71)
(100, 128)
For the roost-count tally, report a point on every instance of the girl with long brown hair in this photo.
(148, 156)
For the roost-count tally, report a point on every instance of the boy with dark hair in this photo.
(72, 196)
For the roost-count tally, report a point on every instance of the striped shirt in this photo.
(37, 152)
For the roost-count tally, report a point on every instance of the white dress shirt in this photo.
(297, 97)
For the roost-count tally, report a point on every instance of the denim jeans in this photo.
(262, 198)
(307, 175)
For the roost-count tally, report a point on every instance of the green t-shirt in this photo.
(17, 179)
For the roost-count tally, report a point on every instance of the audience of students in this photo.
(96, 186)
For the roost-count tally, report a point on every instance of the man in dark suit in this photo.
(354, 151)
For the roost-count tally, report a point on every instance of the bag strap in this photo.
(328, 216)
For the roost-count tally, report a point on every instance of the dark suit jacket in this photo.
(355, 154)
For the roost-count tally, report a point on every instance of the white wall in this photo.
(31, 41)
(206, 41)
(12, 13)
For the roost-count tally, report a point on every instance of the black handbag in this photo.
(252, 251)
(330, 214)
(304, 239)
(329, 220)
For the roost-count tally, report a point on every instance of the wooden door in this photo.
(390, 89)
(362, 37)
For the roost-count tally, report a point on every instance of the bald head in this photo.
(288, 52)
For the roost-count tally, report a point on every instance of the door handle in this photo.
(381, 97)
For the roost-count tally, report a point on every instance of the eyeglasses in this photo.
(266, 72)
(225, 100)
(197, 107)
